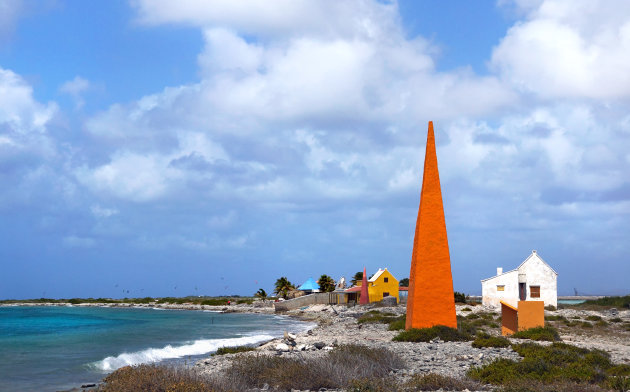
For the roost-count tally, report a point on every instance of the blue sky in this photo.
(193, 147)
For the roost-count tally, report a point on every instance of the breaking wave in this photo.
(150, 355)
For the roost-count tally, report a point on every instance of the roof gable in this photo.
(530, 257)
(310, 284)
(380, 272)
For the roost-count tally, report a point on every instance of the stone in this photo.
(283, 347)
(319, 345)
(388, 301)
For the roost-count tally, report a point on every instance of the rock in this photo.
(328, 348)
(265, 387)
(300, 347)
(282, 347)
(88, 385)
(480, 356)
(319, 345)
(388, 301)
(613, 312)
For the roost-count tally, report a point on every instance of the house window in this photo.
(385, 294)
(500, 287)
(386, 280)
(534, 291)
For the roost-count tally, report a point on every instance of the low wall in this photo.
(295, 303)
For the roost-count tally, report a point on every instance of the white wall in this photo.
(536, 272)
(491, 297)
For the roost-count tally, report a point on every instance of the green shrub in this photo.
(375, 316)
(586, 324)
(233, 350)
(601, 323)
(593, 318)
(617, 302)
(550, 307)
(554, 386)
(397, 325)
(467, 309)
(215, 302)
(615, 320)
(438, 382)
(557, 362)
(553, 317)
(447, 334)
(546, 333)
(619, 370)
(473, 316)
(460, 297)
(486, 340)
(619, 383)
(248, 301)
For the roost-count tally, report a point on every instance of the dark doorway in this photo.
(522, 293)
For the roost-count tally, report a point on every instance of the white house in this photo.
(533, 280)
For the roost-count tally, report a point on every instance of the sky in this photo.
(161, 148)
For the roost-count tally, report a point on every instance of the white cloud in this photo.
(569, 48)
(75, 88)
(131, 176)
(18, 109)
(280, 18)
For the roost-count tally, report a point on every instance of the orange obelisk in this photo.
(430, 300)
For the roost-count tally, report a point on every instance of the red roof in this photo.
(354, 289)
(403, 288)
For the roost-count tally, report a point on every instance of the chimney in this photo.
(499, 270)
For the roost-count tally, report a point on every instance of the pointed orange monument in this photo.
(430, 300)
(365, 296)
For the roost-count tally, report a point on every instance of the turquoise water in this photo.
(53, 348)
(571, 301)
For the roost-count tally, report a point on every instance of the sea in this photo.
(50, 348)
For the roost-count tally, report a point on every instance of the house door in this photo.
(522, 293)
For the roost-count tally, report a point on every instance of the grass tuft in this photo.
(438, 382)
(486, 340)
(556, 363)
(546, 333)
(233, 350)
(155, 378)
(447, 334)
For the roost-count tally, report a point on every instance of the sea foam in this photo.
(150, 355)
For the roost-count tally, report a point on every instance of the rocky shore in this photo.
(338, 325)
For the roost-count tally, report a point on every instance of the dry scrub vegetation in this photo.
(346, 367)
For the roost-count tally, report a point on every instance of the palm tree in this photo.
(326, 284)
(357, 278)
(262, 294)
(404, 282)
(283, 286)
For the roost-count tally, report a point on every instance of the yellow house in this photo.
(382, 284)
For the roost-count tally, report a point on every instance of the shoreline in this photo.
(337, 325)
